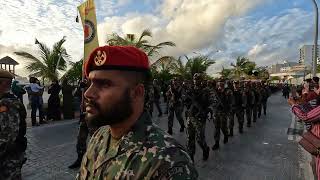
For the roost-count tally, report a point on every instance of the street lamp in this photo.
(315, 51)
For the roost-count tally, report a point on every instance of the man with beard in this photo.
(130, 147)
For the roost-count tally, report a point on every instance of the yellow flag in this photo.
(89, 22)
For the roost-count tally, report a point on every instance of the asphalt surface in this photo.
(264, 152)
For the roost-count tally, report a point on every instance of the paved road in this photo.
(263, 152)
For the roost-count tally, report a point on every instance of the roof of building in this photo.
(8, 60)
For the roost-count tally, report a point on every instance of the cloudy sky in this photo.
(266, 31)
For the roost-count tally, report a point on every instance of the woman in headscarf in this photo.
(54, 111)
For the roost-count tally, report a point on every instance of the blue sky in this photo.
(266, 31)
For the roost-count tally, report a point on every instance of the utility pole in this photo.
(315, 51)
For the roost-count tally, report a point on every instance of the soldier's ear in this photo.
(138, 92)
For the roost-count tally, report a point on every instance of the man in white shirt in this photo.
(35, 92)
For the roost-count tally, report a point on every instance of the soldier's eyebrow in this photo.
(100, 81)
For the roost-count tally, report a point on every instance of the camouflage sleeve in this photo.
(176, 165)
(9, 126)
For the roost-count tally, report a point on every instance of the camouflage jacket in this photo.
(175, 96)
(12, 126)
(146, 152)
(199, 101)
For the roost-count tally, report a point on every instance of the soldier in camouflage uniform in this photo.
(231, 112)
(257, 100)
(221, 120)
(127, 145)
(249, 102)
(238, 107)
(156, 94)
(13, 142)
(265, 95)
(149, 99)
(197, 101)
(175, 104)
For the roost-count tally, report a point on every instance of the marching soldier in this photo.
(257, 101)
(231, 113)
(175, 104)
(265, 95)
(239, 104)
(156, 95)
(250, 102)
(149, 99)
(221, 120)
(13, 142)
(197, 102)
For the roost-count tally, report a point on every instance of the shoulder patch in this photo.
(3, 108)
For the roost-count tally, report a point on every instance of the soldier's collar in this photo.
(133, 140)
(137, 134)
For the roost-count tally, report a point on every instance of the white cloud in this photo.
(195, 26)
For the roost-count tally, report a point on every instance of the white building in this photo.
(306, 55)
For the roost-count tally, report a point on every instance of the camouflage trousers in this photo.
(259, 106)
(255, 110)
(196, 132)
(11, 167)
(264, 106)
(178, 111)
(220, 124)
(83, 134)
(240, 117)
(248, 115)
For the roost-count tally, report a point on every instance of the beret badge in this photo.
(100, 58)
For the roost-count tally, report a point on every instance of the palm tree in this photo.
(198, 64)
(141, 42)
(226, 73)
(50, 61)
(163, 68)
(242, 67)
(74, 74)
(180, 68)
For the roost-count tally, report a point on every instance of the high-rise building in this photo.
(307, 54)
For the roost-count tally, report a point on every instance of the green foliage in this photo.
(242, 67)
(50, 61)
(141, 42)
(74, 74)
(275, 78)
(198, 64)
(226, 73)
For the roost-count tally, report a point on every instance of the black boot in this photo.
(205, 154)
(225, 140)
(240, 130)
(192, 158)
(216, 146)
(249, 125)
(77, 163)
(231, 133)
(182, 129)
(169, 131)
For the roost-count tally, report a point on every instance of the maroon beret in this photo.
(126, 58)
